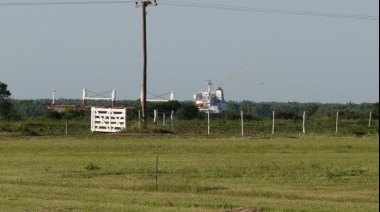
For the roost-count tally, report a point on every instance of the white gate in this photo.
(108, 119)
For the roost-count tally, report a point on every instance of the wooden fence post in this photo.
(242, 123)
(370, 119)
(173, 121)
(337, 120)
(208, 122)
(273, 124)
(304, 123)
(155, 119)
(163, 119)
(67, 126)
(139, 118)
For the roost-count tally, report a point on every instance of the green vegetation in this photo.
(54, 123)
(321, 118)
(117, 173)
(185, 109)
(6, 106)
(41, 169)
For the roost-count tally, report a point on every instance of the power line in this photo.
(210, 6)
(267, 10)
(62, 3)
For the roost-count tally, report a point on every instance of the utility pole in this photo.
(143, 5)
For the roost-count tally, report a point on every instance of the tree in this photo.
(5, 102)
(375, 110)
(312, 109)
(188, 111)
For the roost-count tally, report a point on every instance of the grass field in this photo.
(117, 173)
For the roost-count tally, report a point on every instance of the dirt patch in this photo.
(9, 134)
(244, 210)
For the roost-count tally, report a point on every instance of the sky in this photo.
(255, 50)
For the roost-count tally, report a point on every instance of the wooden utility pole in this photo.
(144, 5)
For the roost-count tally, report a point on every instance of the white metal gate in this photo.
(108, 119)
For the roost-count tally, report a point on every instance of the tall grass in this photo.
(117, 173)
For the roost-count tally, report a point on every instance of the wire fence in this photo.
(266, 127)
(211, 126)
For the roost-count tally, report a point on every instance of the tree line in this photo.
(187, 109)
(18, 109)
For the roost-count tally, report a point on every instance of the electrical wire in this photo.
(266, 10)
(208, 6)
(63, 3)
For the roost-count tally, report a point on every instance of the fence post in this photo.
(163, 119)
(208, 122)
(304, 123)
(67, 126)
(155, 119)
(370, 118)
(242, 123)
(337, 120)
(173, 121)
(273, 124)
(139, 118)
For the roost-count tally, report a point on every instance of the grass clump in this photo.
(92, 167)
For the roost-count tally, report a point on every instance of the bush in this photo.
(359, 133)
(237, 116)
(5, 127)
(73, 114)
(288, 115)
(53, 114)
(92, 166)
(187, 112)
(27, 130)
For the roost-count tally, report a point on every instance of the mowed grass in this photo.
(110, 173)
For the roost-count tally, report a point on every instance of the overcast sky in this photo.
(263, 54)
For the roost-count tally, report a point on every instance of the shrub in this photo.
(53, 114)
(92, 166)
(25, 129)
(187, 112)
(288, 115)
(73, 114)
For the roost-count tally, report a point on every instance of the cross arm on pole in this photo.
(146, 4)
